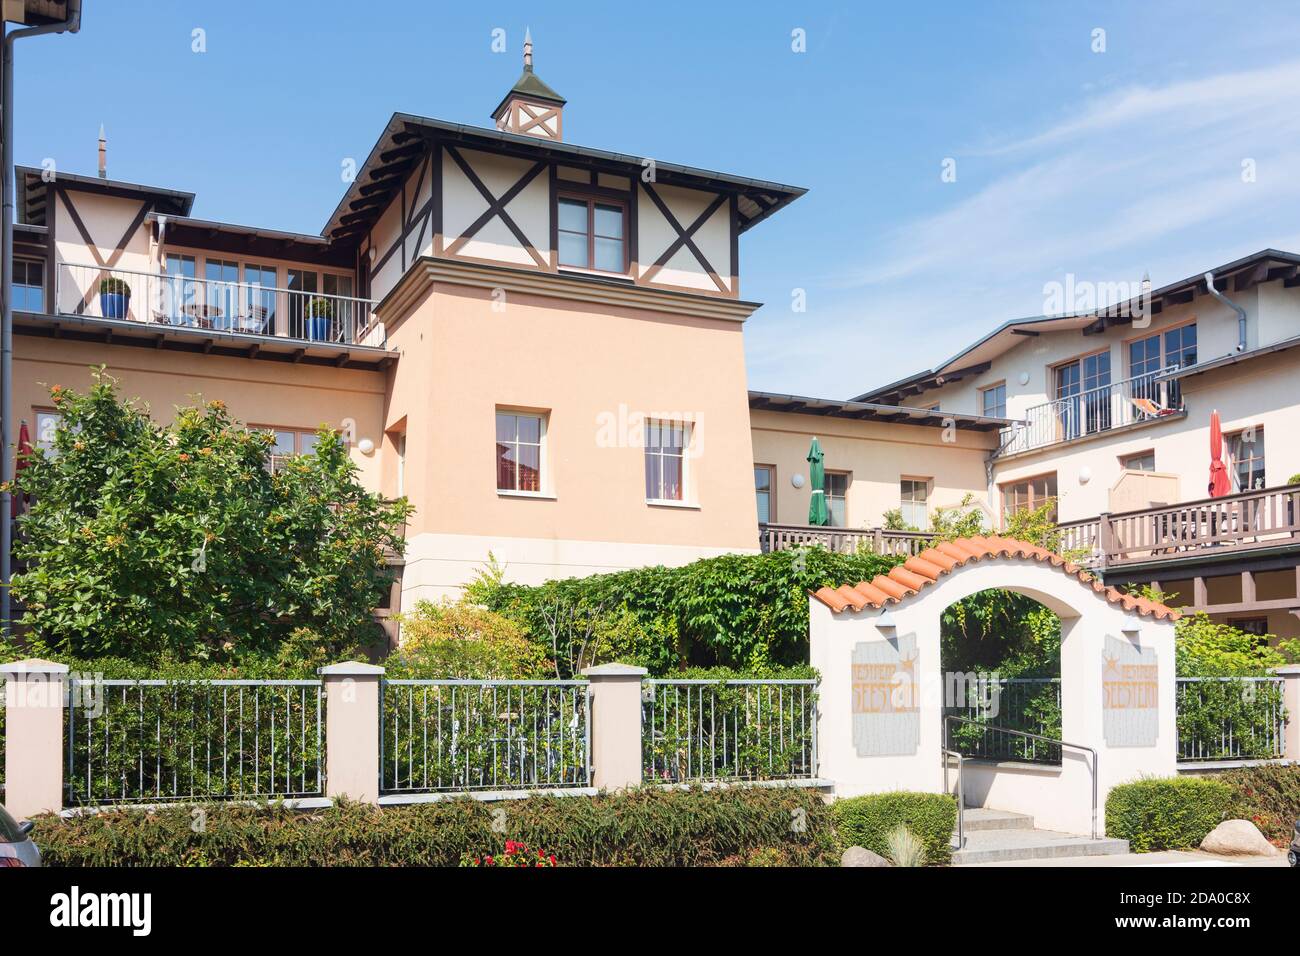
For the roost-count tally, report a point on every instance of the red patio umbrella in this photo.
(24, 449)
(1220, 484)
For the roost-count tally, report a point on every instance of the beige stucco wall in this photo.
(1035, 356)
(878, 454)
(258, 392)
(1259, 393)
(595, 372)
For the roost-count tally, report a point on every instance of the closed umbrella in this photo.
(17, 500)
(818, 513)
(1220, 483)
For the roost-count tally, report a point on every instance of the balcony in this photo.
(1132, 402)
(784, 537)
(167, 303)
(1210, 527)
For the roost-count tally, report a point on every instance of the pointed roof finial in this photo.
(528, 50)
(103, 154)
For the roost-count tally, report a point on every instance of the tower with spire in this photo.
(531, 108)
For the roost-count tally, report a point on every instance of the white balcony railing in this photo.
(1133, 400)
(177, 301)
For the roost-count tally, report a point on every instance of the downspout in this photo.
(72, 24)
(1241, 313)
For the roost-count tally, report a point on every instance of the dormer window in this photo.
(591, 234)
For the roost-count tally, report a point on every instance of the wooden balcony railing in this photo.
(1252, 519)
(1246, 521)
(781, 537)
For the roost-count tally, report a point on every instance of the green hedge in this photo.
(742, 611)
(1166, 813)
(1268, 795)
(646, 827)
(866, 821)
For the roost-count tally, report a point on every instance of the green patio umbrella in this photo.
(818, 513)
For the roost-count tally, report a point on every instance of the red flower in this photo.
(489, 862)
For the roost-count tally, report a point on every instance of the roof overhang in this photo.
(868, 411)
(34, 192)
(254, 241)
(1239, 275)
(406, 137)
(180, 338)
(1233, 358)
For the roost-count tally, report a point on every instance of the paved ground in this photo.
(1169, 858)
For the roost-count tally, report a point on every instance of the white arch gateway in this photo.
(880, 712)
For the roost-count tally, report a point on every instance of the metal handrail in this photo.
(1050, 740)
(961, 793)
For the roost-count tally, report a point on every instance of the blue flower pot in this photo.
(318, 328)
(112, 305)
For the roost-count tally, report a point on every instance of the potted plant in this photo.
(320, 315)
(114, 297)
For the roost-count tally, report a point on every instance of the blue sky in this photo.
(1100, 165)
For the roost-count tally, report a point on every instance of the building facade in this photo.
(541, 346)
(1111, 412)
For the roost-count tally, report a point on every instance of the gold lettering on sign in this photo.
(885, 688)
(1129, 686)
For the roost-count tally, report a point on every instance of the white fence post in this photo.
(615, 725)
(352, 701)
(35, 692)
(1291, 700)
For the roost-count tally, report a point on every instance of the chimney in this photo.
(531, 108)
(103, 154)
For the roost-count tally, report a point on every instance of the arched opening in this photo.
(1000, 654)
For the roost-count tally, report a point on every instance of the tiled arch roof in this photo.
(924, 569)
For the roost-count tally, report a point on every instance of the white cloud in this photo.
(1142, 179)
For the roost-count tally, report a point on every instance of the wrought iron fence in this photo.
(153, 741)
(699, 730)
(1029, 704)
(1231, 718)
(455, 735)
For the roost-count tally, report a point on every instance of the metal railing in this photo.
(1231, 718)
(705, 730)
(459, 735)
(1139, 399)
(157, 741)
(782, 537)
(947, 725)
(998, 710)
(961, 792)
(177, 301)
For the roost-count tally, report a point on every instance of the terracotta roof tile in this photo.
(924, 569)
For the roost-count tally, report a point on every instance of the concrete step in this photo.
(986, 818)
(1004, 845)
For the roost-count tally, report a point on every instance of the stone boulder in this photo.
(861, 856)
(1237, 838)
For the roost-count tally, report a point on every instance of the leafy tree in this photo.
(146, 541)
(998, 629)
(1205, 648)
(459, 640)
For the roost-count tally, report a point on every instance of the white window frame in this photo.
(904, 504)
(687, 500)
(543, 453)
(46, 443)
